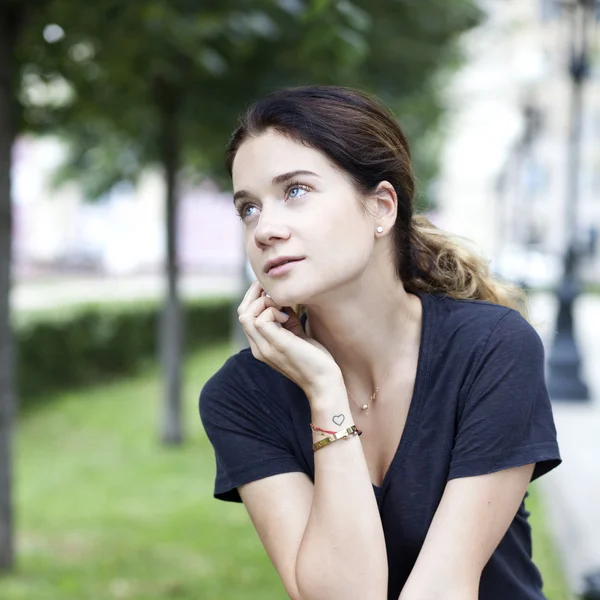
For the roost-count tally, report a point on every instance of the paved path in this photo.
(571, 493)
(67, 291)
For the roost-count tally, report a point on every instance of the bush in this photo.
(66, 349)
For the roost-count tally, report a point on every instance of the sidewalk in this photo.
(571, 493)
(70, 291)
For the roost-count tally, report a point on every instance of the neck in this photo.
(369, 333)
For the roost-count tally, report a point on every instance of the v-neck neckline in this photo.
(414, 409)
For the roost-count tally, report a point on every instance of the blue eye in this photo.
(295, 187)
(292, 192)
(241, 211)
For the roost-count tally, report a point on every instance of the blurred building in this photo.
(503, 182)
(59, 230)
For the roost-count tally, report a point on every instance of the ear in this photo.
(385, 205)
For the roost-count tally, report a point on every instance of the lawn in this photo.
(104, 512)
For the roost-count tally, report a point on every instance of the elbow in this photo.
(437, 597)
(450, 594)
(323, 586)
(334, 574)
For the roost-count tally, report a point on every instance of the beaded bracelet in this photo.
(340, 435)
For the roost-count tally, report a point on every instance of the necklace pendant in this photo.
(364, 407)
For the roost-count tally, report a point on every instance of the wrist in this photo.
(325, 389)
(331, 409)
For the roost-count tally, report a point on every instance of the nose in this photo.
(270, 228)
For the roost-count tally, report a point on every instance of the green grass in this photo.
(544, 552)
(105, 512)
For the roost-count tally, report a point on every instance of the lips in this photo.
(283, 268)
(282, 260)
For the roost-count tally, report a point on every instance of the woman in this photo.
(366, 320)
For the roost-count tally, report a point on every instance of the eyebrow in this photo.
(278, 179)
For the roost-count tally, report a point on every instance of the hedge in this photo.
(59, 350)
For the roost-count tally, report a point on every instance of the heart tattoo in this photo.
(338, 419)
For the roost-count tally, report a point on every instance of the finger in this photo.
(248, 320)
(260, 346)
(265, 309)
(252, 293)
(270, 321)
(269, 302)
(279, 342)
(271, 315)
(257, 307)
(294, 324)
(267, 319)
(268, 327)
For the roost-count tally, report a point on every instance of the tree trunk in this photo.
(7, 95)
(171, 338)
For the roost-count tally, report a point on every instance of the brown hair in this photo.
(362, 137)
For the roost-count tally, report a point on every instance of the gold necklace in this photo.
(365, 407)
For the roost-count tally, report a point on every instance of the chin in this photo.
(289, 296)
(284, 299)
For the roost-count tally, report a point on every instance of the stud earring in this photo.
(380, 229)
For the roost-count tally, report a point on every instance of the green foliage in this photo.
(105, 512)
(131, 64)
(545, 554)
(94, 343)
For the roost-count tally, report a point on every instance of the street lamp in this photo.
(564, 362)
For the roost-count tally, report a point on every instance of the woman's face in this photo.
(294, 203)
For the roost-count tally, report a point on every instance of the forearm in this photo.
(342, 553)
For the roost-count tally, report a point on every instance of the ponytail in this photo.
(441, 263)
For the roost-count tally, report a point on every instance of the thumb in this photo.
(293, 324)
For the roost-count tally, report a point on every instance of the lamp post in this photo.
(564, 362)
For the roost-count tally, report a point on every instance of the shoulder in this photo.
(494, 346)
(475, 324)
(469, 339)
(241, 369)
(241, 384)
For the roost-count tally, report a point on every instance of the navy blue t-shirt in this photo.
(479, 405)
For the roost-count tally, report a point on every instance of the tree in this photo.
(131, 67)
(6, 348)
(151, 82)
(161, 83)
(14, 20)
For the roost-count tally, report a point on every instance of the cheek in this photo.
(256, 265)
(253, 256)
(348, 240)
(342, 257)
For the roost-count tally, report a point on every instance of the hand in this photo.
(276, 338)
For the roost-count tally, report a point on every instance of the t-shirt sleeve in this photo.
(249, 443)
(506, 420)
